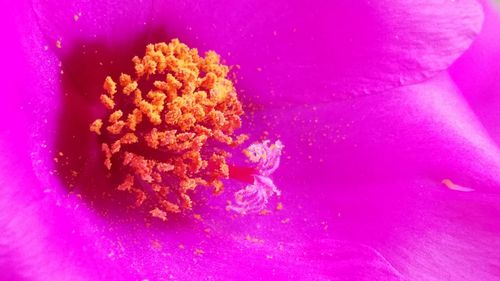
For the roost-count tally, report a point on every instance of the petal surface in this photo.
(382, 158)
(476, 73)
(334, 49)
(320, 50)
(371, 170)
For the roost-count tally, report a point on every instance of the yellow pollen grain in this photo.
(109, 86)
(107, 155)
(127, 184)
(130, 88)
(96, 126)
(253, 239)
(125, 79)
(279, 206)
(116, 128)
(115, 116)
(107, 102)
(264, 212)
(156, 245)
(58, 43)
(157, 213)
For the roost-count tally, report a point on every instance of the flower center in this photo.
(168, 126)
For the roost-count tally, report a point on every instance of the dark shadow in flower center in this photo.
(78, 154)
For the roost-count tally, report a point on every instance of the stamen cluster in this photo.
(168, 124)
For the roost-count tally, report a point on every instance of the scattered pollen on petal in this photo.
(156, 245)
(76, 17)
(198, 252)
(167, 140)
(279, 206)
(449, 184)
(285, 221)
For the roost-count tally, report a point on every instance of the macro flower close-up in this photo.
(250, 140)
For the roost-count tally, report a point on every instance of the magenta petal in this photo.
(50, 234)
(383, 156)
(424, 129)
(476, 73)
(371, 169)
(81, 22)
(425, 232)
(290, 50)
(320, 50)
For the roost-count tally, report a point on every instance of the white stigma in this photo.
(254, 198)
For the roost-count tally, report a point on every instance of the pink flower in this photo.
(383, 129)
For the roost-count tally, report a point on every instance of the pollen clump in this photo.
(167, 126)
